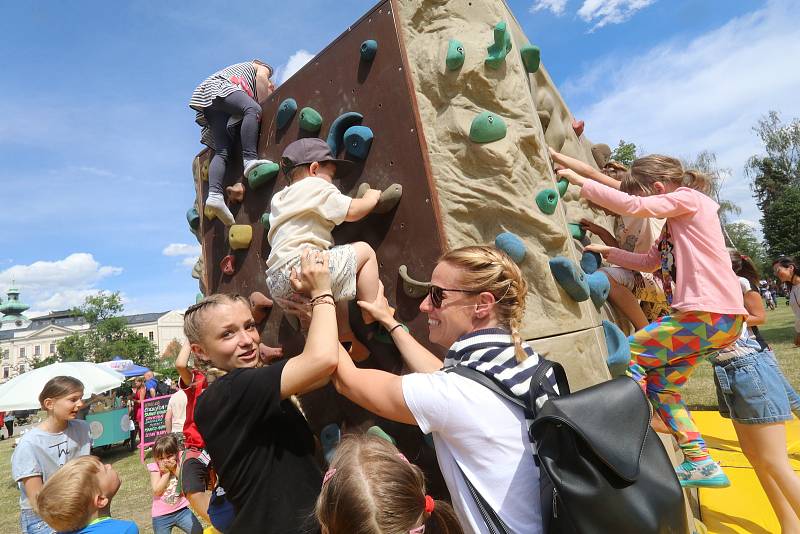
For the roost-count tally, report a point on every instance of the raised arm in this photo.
(361, 207)
(182, 364)
(672, 204)
(645, 263)
(584, 169)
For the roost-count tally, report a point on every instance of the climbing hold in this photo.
(209, 213)
(368, 49)
(262, 174)
(487, 127)
(570, 278)
(357, 141)
(193, 218)
(412, 288)
(235, 192)
(228, 265)
(260, 305)
(197, 269)
(500, 48)
(286, 111)
(265, 220)
(576, 231)
(240, 235)
(547, 199)
(618, 349)
(563, 184)
(590, 261)
(512, 245)
(329, 438)
(577, 127)
(599, 286)
(531, 56)
(196, 168)
(198, 297)
(380, 433)
(601, 153)
(310, 120)
(544, 118)
(339, 126)
(204, 169)
(455, 55)
(389, 198)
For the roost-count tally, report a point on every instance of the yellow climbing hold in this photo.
(240, 236)
(209, 213)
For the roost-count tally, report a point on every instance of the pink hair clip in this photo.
(328, 475)
(403, 457)
(418, 530)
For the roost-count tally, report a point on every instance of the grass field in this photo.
(133, 500)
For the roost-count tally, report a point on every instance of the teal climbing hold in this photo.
(455, 55)
(570, 277)
(286, 111)
(599, 286)
(329, 438)
(563, 184)
(531, 56)
(310, 120)
(590, 261)
(547, 199)
(198, 297)
(193, 218)
(381, 335)
(357, 141)
(368, 49)
(262, 174)
(500, 48)
(380, 433)
(265, 220)
(339, 126)
(576, 231)
(512, 245)
(487, 127)
(618, 348)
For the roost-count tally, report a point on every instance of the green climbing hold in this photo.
(500, 48)
(563, 184)
(265, 220)
(310, 120)
(547, 199)
(380, 433)
(576, 231)
(286, 111)
(487, 127)
(368, 49)
(262, 174)
(455, 55)
(531, 56)
(198, 297)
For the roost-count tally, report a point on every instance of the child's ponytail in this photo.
(697, 180)
(442, 520)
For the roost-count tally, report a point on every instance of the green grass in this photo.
(699, 392)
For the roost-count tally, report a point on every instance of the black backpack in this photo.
(162, 389)
(601, 466)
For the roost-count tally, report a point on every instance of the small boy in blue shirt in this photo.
(77, 499)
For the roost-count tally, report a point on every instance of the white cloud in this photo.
(189, 261)
(60, 284)
(181, 249)
(295, 63)
(557, 7)
(604, 12)
(686, 96)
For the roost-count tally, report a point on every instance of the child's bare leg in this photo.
(199, 503)
(622, 297)
(367, 276)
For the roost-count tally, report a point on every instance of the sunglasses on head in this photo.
(436, 294)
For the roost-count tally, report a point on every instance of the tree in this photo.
(172, 350)
(782, 143)
(743, 238)
(780, 224)
(625, 153)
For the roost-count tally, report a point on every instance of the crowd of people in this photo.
(244, 458)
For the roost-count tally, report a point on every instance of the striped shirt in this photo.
(238, 77)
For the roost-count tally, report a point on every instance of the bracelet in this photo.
(318, 297)
(316, 302)
(398, 325)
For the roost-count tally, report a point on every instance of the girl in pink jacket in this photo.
(708, 310)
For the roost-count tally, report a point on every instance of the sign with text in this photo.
(152, 423)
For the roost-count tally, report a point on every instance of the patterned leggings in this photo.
(663, 356)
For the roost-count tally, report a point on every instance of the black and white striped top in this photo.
(238, 77)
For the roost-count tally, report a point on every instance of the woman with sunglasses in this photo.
(475, 306)
(229, 97)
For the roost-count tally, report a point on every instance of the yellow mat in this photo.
(743, 507)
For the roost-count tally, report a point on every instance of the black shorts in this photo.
(195, 476)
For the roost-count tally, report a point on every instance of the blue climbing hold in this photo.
(570, 277)
(576, 231)
(512, 245)
(599, 286)
(590, 261)
(618, 349)
(368, 49)
(330, 437)
(193, 218)
(339, 126)
(286, 111)
(357, 141)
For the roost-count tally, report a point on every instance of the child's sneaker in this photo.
(704, 474)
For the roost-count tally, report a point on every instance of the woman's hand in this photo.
(573, 177)
(379, 308)
(314, 278)
(603, 250)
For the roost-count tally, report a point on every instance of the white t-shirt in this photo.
(177, 406)
(487, 436)
(304, 215)
(637, 234)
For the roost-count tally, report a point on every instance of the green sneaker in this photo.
(705, 474)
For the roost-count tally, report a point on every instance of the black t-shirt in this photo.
(262, 450)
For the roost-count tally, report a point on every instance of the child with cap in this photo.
(304, 214)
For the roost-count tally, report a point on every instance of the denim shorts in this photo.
(750, 390)
(30, 523)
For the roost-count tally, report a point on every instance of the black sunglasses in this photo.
(436, 294)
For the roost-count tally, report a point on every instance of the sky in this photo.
(97, 140)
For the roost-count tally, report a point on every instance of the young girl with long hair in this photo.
(787, 271)
(371, 488)
(170, 507)
(43, 450)
(708, 307)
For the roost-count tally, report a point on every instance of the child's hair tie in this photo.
(429, 504)
(328, 475)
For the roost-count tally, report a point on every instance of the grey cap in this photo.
(308, 150)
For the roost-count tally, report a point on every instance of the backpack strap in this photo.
(541, 386)
(493, 521)
(482, 379)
